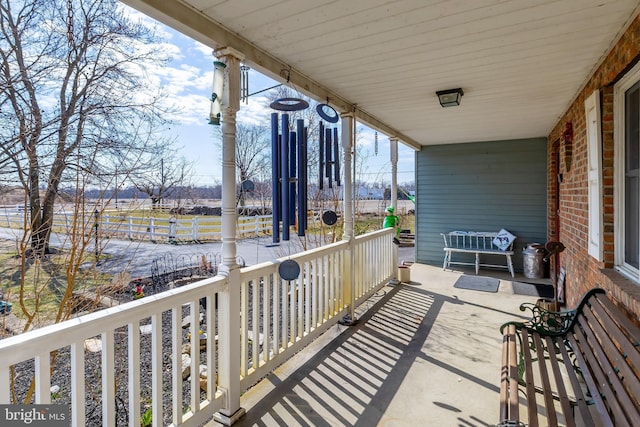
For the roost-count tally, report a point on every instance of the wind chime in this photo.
(289, 165)
(289, 169)
(328, 148)
(375, 146)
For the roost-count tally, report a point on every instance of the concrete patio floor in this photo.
(422, 354)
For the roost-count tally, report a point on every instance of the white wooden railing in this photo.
(282, 317)
(149, 228)
(125, 358)
(277, 318)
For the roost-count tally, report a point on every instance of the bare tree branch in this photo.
(73, 98)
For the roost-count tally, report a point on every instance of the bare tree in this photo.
(73, 98)
(169, 177)
(253, 151)
(253, 154)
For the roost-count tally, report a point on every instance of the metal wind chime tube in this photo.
(336, 157)
(329, 154)
(284, 184)
(275, 178)
(321, 156)
(305, 174)
(302, 176)
(244, 83)
(292, 177)
(328, 147)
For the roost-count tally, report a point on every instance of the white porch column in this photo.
(347, 146)
(348, 127)
(393, 145)
(229, 301)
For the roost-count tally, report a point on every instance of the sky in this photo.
(186, 82)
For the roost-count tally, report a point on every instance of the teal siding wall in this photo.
(483, 186)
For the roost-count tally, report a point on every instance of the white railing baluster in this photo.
(244, 328)
(194, 313)
(285, 312)
(355, 266)
(275, 281)
(313, 281)
(306, 286)
(331, 281)
(156, 367)
(108, 380)
(176, 358)
(212, 366)
(362, 284)
(43, 378)
(344, 301)
(78, 393)
(332, 284)
(292, 311)
(363, 270)
(255, 322)
(266, 310)
(340, 272)
(367, 271)
(370, 271)
(133, 380)
(5, 385)
(322, 301)
(301, 297)
(295, 310)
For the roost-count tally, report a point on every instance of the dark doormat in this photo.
(533, 289)
(477, 283)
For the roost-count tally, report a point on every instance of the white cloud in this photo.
(256, 112)
(204, 50)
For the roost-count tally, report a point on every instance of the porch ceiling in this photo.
(520, 63)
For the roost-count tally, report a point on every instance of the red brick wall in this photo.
(583, 271)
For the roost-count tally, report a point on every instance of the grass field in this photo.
(36, 287)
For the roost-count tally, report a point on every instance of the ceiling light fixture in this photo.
(450, 97)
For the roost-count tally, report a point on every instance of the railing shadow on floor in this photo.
(353, 379)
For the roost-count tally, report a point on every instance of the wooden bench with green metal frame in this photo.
(584, 363)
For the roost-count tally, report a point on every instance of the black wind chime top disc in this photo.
(289, 270)
(327, 113)
(289, 104)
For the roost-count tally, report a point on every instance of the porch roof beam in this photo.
(199, 27)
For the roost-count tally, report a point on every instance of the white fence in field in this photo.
(140, 356)
(148, 228)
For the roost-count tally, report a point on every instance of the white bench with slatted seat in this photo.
(478, 243)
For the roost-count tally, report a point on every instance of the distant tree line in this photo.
(177, 192)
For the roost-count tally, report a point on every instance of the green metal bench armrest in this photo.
(551, 323)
